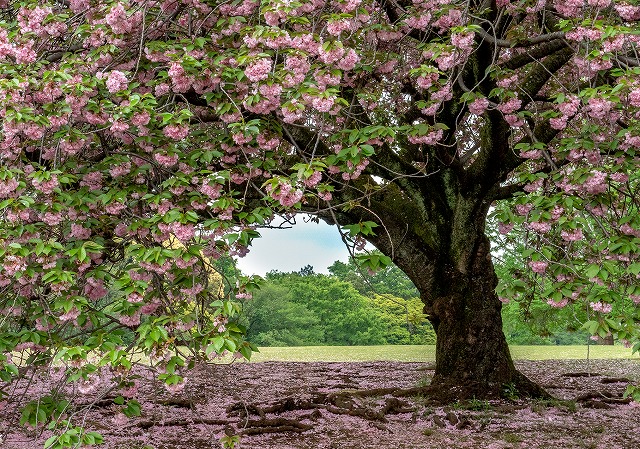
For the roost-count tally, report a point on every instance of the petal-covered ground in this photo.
(283, 405)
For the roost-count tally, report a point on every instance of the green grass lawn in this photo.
(427, 353)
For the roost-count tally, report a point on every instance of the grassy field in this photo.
(427, 353)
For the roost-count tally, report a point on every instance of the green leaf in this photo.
(217, 343)
(592, 271)
(230, 345)
(51, 441)
(245, 350)
(591, 326)
(132, 409)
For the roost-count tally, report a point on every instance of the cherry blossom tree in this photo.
(143, 139)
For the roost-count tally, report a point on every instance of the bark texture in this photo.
(472, 355)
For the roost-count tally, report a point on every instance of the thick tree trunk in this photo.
(472, 355)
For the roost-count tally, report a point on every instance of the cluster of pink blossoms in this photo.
(572, 235)
(33, 21)
(629, 230)
(627, 11)
(116, 81)
(568, 109)
(569, 8)
(180, 82)
(427, 80)
(523, 209)
(292, 114)
(505, 228)
(335, 27)
(558, 304)
(431, 138)
(478, 106)
(599, 108)
(79, 232)
(95, 289)
(212, 191)
(510, 106)
(539, 227)
(92, 180)
(285, 194)
(583, 33)
(176, 132)
(313, 180)
(258, 70)
(120, 169)
(539, 267)
(323, 104)
(8, 187)
(601, 307)
(46, 186)
(596, 183)
(120, 22)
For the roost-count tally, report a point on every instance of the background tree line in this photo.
(351, 307)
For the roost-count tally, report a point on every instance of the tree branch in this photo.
(535, 54)
(505, 43)
(542, 72)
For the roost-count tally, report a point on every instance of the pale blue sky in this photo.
(316, 244)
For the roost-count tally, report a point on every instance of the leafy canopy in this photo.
(129, 125)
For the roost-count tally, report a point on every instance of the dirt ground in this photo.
(284, 405)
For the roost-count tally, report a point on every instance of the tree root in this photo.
(373, 405)
(601, 399)
(350, 403)
(178, 422)
(288, 404)
(614, 380)
(177, 402)
(273, 425)
(581, 374)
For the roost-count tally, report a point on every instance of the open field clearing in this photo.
(426, 353)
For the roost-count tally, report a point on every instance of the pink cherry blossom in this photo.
(258, 70)
(538, 266)
(116, 81)
(572, 235)
(510, 106)
(540, 227)
(478, 106)
(601, 307)
(176, 132)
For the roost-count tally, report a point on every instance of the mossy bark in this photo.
(472, 355)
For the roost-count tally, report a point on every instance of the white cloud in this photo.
(315, 244)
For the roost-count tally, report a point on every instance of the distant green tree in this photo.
(346, 316)
(394, 296)
(328, 311)
(307, 270)
(273, 318)
(389, 280)
(404, 321)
